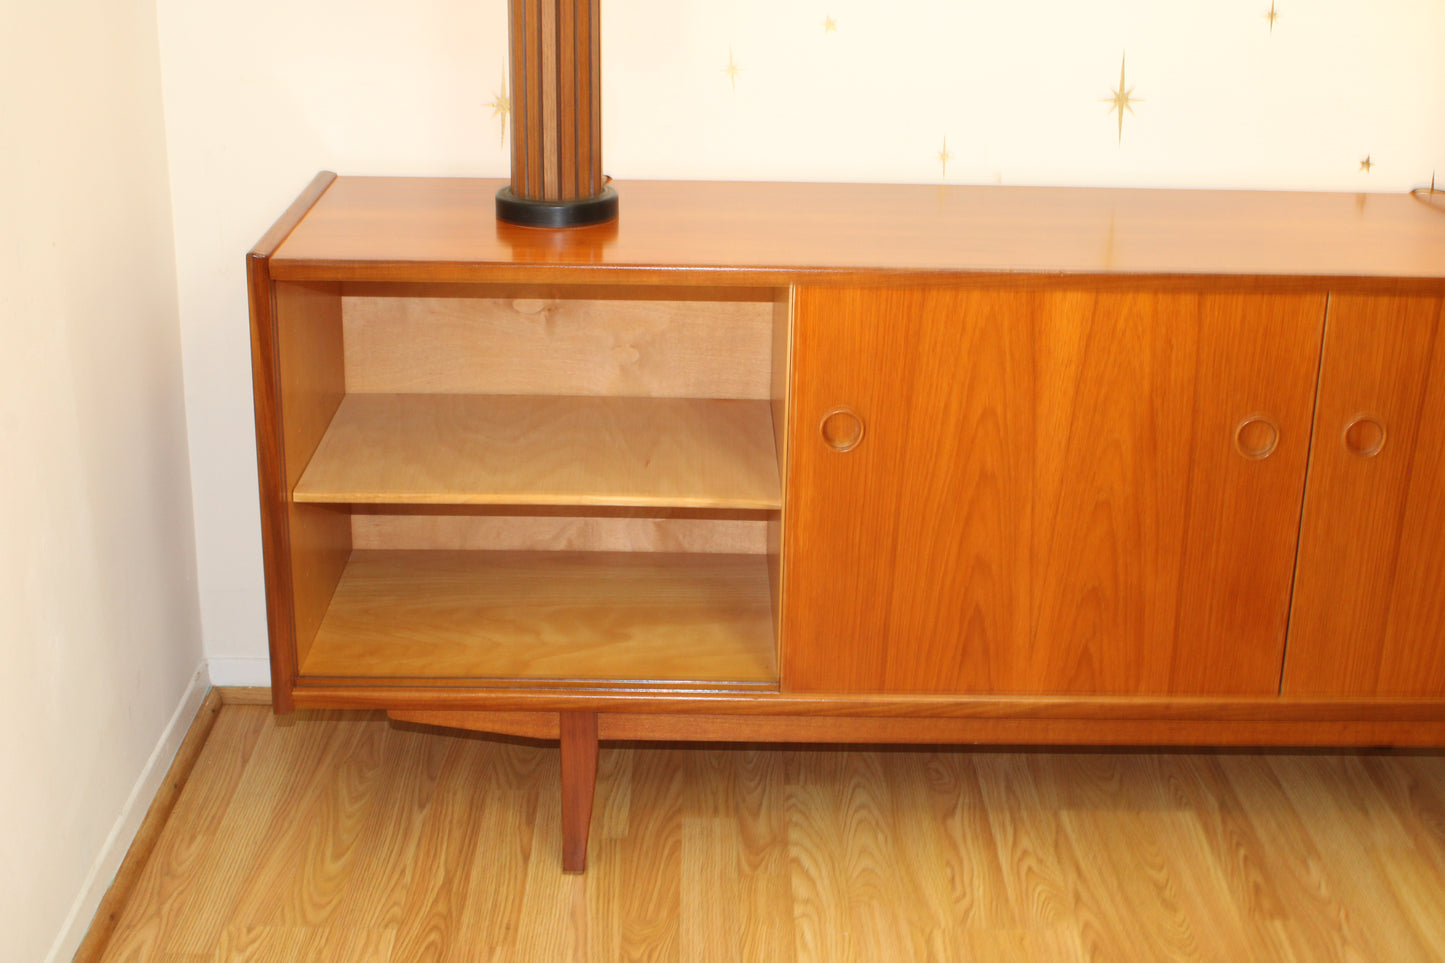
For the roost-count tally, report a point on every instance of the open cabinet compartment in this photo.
(498, 485)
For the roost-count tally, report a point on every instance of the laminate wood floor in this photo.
(341, 836)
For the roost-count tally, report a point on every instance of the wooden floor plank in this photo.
(1309, 896)
(263, 944)
(437, 887)
(971, 877)
(163, 885)
(642, 890)
(1345, 814)
(342, 836)
(1037, 873)
(1418, 856)
(846, 866)
(547, 924)
(756, 812)
(316, 837)
(411, 765)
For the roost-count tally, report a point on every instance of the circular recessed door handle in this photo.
(1256, 437)
(1364, 436)
(842, 429)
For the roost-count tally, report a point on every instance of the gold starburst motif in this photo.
(1367, 165)
(1272, 16)
(732, 70)
(943, 158)
(830, 25)
(1122, 99)
(502, 107)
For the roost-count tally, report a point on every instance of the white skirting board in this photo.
(132, 814)
(240, 671)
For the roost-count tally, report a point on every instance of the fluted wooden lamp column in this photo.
(557, 178)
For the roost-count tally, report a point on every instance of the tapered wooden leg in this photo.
(579, 780)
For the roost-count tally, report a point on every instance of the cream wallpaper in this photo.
(1294, 94)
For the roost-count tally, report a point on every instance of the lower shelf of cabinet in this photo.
(548, 618)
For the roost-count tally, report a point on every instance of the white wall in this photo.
(99, 621)
(260, 96)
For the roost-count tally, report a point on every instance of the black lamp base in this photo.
(528, 213)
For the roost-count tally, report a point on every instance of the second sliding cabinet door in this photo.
(1369, 609)
(1046, 490)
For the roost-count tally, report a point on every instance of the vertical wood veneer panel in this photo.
(1369, 605)
(313, 382)
(1047, 497)
(556, 90)
(782, 367)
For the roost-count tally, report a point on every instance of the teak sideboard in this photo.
(850, 463)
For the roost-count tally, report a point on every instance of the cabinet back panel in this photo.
(537, 533)
(559, 346)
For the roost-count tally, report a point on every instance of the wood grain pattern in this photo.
(1047, 498)
(528, 725)
(549, 618)
(958, 730)
(570, 90)
(1368, 604)
(118, 895)
(589, 64)
(313, 383)
(1015, 731)
(1081, 709)
(340, 837)
(1072, 514)
(528, 118)
(547, 51)
(547, 533)
(1430, 197)
(310, 362)
(521, 450)
(534, 344)
(556, 121)
(780, 372)
(781, 391)
(578, 734)
(244, 695)
(426, 229)
(203, 809)
(290, 218)
(272, 439)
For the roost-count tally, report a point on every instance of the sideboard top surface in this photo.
(445, 230)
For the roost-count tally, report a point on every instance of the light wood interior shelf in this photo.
(457, 449)
(586, 618)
